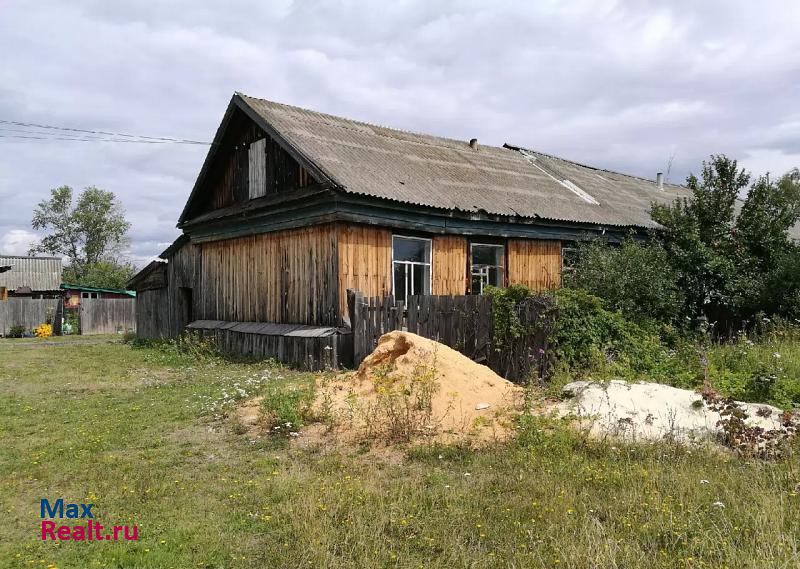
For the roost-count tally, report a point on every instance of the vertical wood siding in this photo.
(183, 272)
(107, 315)
(365, 261)
(534, 263)
(248, 157)
(152, 313)
(285, 277)
(449, 265)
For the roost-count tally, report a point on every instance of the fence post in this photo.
(58, 317)
(355, 303)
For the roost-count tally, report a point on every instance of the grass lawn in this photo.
(142, 433)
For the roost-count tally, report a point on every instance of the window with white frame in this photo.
(411, 266)
(487, 266)
(569, 259)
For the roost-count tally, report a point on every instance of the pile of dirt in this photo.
(411, 388)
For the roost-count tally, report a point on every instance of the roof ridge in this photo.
(458, 141)
(582, 165)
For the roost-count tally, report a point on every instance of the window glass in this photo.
(487, 266)
(420, 279)
(411, 266)
(411, 249)
(400, 280)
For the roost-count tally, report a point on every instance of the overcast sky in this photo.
(620, 85)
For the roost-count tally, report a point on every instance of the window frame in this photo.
(488, 243)
(429, 264)
(566, 251)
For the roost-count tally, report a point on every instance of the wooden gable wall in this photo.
(248, 164)
(286, 277)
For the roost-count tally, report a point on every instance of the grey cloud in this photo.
(618, 84)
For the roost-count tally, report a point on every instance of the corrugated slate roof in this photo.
(38, 273)
(425, 170)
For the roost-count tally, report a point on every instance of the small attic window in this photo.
(257, 159)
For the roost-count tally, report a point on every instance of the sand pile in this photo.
(411, 387)
(651, 411)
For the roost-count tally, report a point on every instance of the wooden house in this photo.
(293, 207)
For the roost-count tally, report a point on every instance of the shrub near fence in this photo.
(465, 323)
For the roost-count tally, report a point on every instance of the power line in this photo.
(84, 139)
(58, 136)
(87, 135)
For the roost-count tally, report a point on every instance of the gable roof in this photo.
(152, 276)
(376, 161)
(37, 273)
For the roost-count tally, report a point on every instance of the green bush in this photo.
(764, 371)
(16, 332)
(634, 278)
(523, 322)
(590, 337)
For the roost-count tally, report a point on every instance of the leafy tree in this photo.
(698, 237)
(729, 262)
(717, 255)
(103, 274)
(91, 234)
(635, 278)
(767, 215)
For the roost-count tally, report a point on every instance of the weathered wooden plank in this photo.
(26, 312)
(107, 315)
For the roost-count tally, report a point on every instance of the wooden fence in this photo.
(152, 313)
(26, 312)
(107, 315)
(465, 323)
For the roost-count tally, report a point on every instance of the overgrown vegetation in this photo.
(286, 409)
(523, 326)
(187, 348)
(716, 258)
(713, 296)
(136, 437)
(589, 340)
